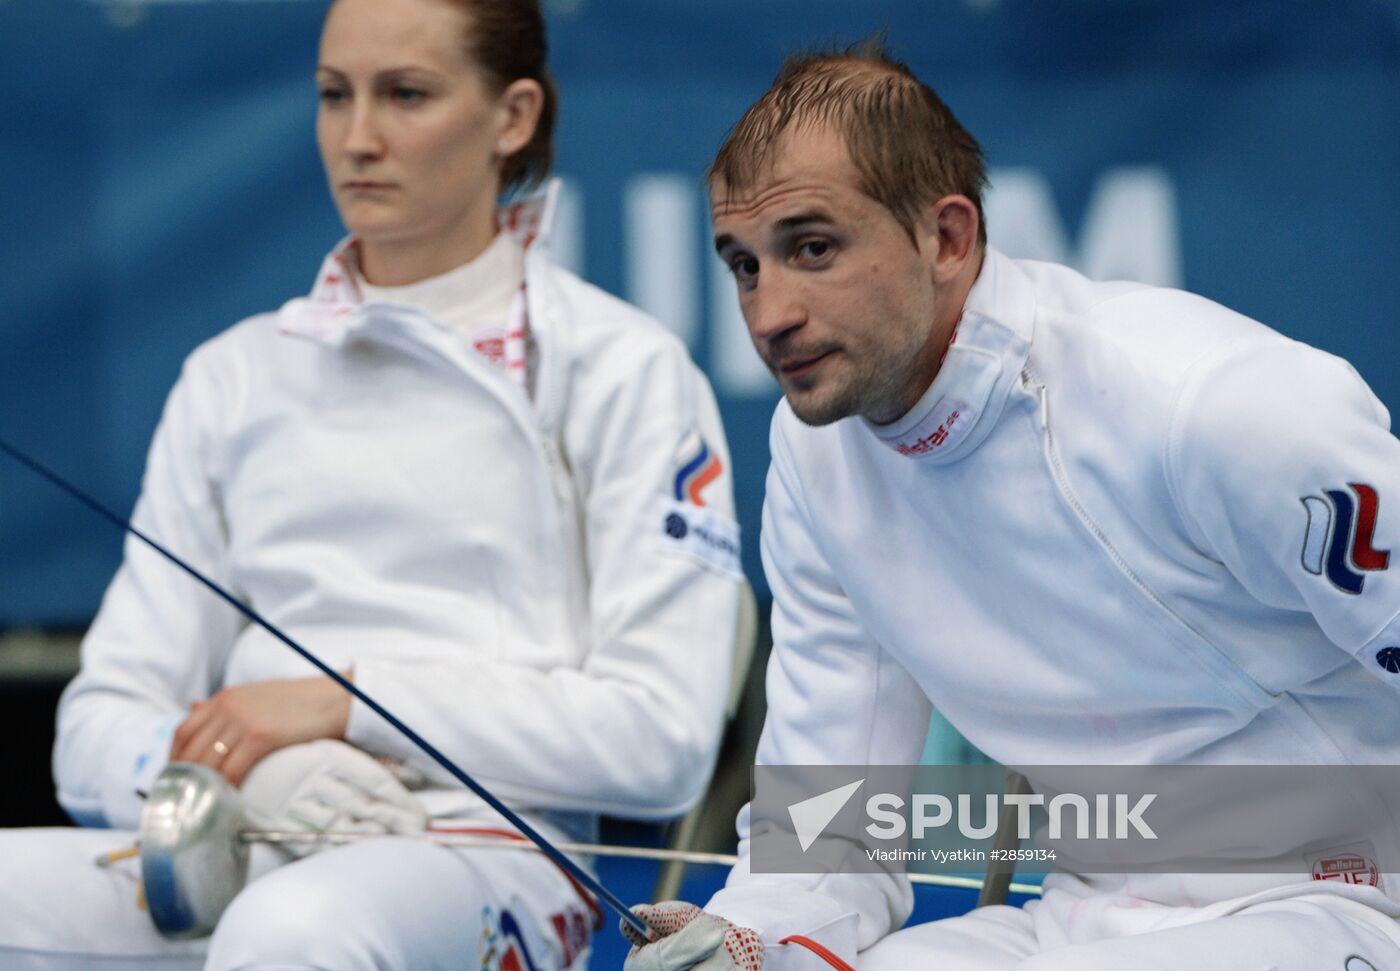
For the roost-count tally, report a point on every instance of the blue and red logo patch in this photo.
(516, 954)
(697, 471)
(1340, 534)
(503, 946)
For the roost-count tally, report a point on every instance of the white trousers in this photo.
(1297, 928)
(390, 903)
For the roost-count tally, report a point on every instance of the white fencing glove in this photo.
(328, 786)
(690, 938)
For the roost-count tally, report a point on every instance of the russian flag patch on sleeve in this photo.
(1340, 533)
(685, 526)
(699, 466)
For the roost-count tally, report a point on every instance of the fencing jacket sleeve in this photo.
(158, 641)
(1268, 428)
(835, 697)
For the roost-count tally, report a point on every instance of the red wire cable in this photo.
(824, 953)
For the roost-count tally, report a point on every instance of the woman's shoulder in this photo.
(625, 366)
(223, 366)
(245, 340)
(602, 325)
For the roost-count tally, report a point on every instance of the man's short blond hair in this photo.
(906, 144)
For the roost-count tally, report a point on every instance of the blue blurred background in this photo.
(159, 181)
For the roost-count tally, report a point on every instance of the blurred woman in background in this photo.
(447, 472)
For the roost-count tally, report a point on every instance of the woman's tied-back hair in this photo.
(906, 144)
(506, 39)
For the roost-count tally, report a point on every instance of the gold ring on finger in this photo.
(220, 747)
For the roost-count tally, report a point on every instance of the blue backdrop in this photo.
(158, 181)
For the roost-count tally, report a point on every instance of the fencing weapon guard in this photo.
(193, 859)
(567, 865)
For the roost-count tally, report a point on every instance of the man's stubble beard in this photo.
(876, 390)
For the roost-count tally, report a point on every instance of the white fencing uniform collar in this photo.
(330, 314)
(988, 350)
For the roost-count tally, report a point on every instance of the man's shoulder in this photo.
(1148, 340)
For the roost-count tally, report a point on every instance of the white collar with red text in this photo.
(988, 350)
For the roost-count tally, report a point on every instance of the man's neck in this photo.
(950, 303)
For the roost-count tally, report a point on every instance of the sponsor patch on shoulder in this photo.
(686, 530)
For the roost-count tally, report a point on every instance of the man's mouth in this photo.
(800, 365)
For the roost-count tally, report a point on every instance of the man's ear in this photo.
(947, 235)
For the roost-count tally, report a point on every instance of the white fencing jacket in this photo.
(1124, 525)
(497, 570)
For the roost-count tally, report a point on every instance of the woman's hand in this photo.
(238, 726)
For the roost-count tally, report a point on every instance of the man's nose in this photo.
(774, 308)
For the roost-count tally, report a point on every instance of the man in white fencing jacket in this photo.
(1093, 523)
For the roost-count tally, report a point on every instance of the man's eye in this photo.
(744, 267)
(814, 249)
